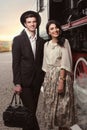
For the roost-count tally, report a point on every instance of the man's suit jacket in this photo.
(26, 69)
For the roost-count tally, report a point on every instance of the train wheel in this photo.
(80, 92)
(80, 80)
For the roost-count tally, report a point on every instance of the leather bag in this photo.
(17, 115)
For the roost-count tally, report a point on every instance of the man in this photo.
(27, 55)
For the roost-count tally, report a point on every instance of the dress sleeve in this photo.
(44, 65)
(66, 62)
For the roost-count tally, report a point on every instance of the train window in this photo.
(59, 9)
(41, 5)
(77, 38)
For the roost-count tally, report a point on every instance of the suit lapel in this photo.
(27, 42)
(37, 45)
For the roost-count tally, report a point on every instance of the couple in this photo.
(34, 63)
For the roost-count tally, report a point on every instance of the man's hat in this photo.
(27, 13)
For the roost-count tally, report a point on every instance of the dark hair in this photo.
(60, 38)
(29, 16)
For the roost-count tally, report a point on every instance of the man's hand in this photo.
(18, 89)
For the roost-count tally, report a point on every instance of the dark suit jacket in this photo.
(26, 69)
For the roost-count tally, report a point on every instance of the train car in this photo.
(72, 14)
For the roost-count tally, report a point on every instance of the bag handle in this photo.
(14, 98)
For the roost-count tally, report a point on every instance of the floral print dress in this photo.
(58, 108)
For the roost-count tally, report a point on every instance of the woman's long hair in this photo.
(60, 38)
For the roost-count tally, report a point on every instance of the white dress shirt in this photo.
(32, 41)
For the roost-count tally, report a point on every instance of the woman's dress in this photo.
(58, 108)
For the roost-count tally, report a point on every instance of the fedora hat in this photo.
(26, 15)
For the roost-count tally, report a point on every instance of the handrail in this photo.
(76, 23)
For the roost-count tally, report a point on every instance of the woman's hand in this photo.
(62, 79)
(18, 89)
(61, 86)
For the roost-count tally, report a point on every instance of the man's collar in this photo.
(29, 35)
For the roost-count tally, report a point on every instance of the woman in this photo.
(58, 91)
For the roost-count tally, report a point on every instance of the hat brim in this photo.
(35, 14)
